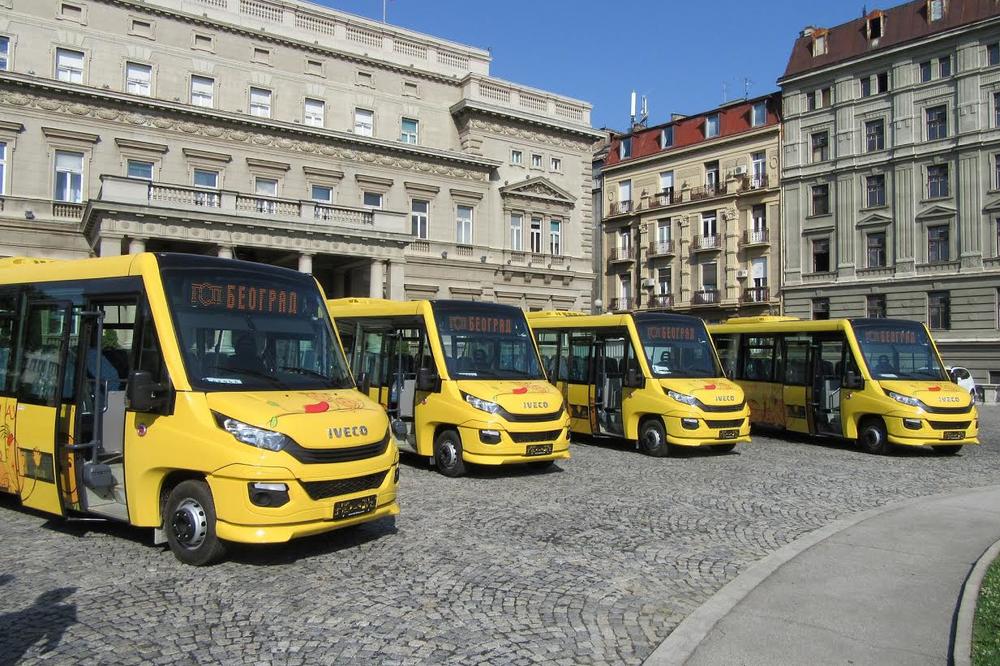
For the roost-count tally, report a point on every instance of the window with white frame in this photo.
(69, 65)
(874, 84)
(663, 235)
(875, 190)
(314, 112)
(876, 249)
(138, 79)
(535, 236)
(938, 244)
(709, 228)
(663, 282)
(266, 187)
(625, 288)
(555, 238)
(667, 137)
(875, 135)
(3, 167)
(624, 241)
(758, 169)
(321, 193)
(666, 181)
(935, 10)
(758, 220)
(937, 181)
(758, 273)
(709, 276)
(516, 157)
(206, 179)
(516, 232)
(536, 161)
(937, 122)
(625, 148)
(712, 174)
(408, 130)
(712, 126)
(758, 115)
(372, 199)
(463, 225)
(4, 53)
(419, 212)
(555, 164)
(364, 122)
(260, 102)
(68, 176)
(203, 91)
(139, 169)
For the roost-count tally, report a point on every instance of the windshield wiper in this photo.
(252, 373)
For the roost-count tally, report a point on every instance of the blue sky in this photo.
(676, 53)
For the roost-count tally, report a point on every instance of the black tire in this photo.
(723, 448)
(189, 520)
(448, 453)
(541, 465)
(947, 449)
(873, 437)
(653, 438)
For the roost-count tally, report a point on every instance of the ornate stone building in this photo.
(691, 213)
(384, 161)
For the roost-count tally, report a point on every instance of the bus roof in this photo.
(14, 262)
(563, 319)
(22, 270)
(759, 319)
(793, 324)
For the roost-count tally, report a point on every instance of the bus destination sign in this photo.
(244, 298)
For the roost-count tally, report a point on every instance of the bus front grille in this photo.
(323, 489)
(950, 425)
(731, 423)
(546, 436)
(336, 455)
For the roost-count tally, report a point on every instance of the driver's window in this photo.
(40, 355)
(149, 358)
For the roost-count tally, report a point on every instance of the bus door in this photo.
(8, 404)
(797, 381)
(578, 388)
(41, 381)
(404, 351)
(609, 364)
(828, 368)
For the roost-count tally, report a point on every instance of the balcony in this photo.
(705, 297)
(269, 206)
(758, 182)
(706, 243)
(661, 301)
(664, 198)
(661, 249)
(756, 295)
(621, 304)
(621, 208)
(617, 254)
(707, 191)
(753, 238)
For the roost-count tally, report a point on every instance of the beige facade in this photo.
(693, 226)
(384, 161)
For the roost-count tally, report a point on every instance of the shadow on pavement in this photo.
(313, 546)
(45, 620)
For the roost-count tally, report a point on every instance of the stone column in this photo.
(306, 263)
(397, 272)
(377, 278)
(136, 245)
(225, 252)
(110, 246)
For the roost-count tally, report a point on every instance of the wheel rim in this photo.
(873, 438)
(448, 455)
(189, 524)
(652, 439)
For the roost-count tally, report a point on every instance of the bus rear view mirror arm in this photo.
(428, 380)
(853, 381)
(145, 395)
(364, 382)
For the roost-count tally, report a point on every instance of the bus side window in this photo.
(579, 368)
(564, 357)
(728, 347)
(796, 360)
(759, 358)
(149, 357)
(548, 347)
(8, 317)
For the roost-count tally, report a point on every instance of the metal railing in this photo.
(756, 295)
(661, 248)
(661, 301)
(621, 254)
(751, 237)
(622, 303)
(705, 297)
(713, 242)
(621, 207)
(707, 191)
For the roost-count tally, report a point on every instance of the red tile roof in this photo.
(903, 23)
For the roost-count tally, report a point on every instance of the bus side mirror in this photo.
(633, 378)
(953, 376)
(143, 394)
(853, 381)
(428, 380)
(364, 382)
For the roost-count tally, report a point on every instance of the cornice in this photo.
(70, 135)
(474, 106)
(141, 145)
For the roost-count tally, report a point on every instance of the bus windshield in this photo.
(677, 347)
(898, 350)
(242, 330)
(486, 341)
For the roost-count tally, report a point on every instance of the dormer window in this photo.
(875, 24)
(625, 148)
(935, 10)
(667, 137)
(819, 42)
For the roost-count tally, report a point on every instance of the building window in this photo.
(821, 308)
(712, 175)
(260, 102)
(758, 169)
(937, 123)
(944, 67)
(463, 231)
(139, 169)
(555, 164)
(69, 66)
(821, 255)
(535, 237)
(939, 310)
(409, 130)
(996, 171)
(937, 181)
(821, 199)
(138, 79)
(667, 137)
(536, 161)
(758, 218)
(4, 53)
(712, 126)
(321, 194)
(625, 193)
(709, 229)
(996, 109)
(555, 238)
(314, 112)
(935, 10)
(516, 157)
(266, 187)
(202, 91)
(663, 281)
(710, 277)
(875, 135)
(372, 199)
(625, 148)
(410, 89)
(993, 54)
(516, 232)
(364, 122)
(3, 168)
(875, 306)
(819, 44)
(937, 244)
(819, 99)
(758, 115)
(876, 84)
(875, 27)
(69, 176)
(876, 250)
(663, 233)
(925, 71)
(209, 180)
(419, 210)
(666, 181)
(875, 190)
(820, 146)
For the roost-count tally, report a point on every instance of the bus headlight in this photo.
(480, 404)
(683, 397)
(905, 399)
(252, 435)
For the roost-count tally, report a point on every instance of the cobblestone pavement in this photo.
(593, 563)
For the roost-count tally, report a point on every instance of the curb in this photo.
(961, 651)
(682, 642)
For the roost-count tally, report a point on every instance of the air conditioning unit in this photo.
(648, 283)
(742, 273)
(740, 171)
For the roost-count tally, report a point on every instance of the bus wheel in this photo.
(723, 448)
(873, 437)
(947, 449)
(448, 453)
(189, 520)
(653, 437)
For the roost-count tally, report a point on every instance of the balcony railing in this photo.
(707, 191)
(758, 182)
(664, 198)
(337, 215)
(661, 301)
(705, 297)
(268, 206)
(751, 237)
(661, 248)
(622, 303)
(72, 211)
(756, 295)
(621, 207)
(707, 242)
(621, 254)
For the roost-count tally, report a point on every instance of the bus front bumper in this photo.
(514, 446)
(933, 430)
(732, 428)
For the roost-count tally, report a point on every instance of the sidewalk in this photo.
(879, 588)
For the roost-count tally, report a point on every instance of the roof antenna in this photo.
(746, 87)
(725, 92)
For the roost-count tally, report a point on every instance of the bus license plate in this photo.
(538, 450)
(955, 434)
(353, 507)
(729, 434)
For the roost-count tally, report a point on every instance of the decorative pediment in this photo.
(992, 206)
(539, 188)
(874, 220)
(936, 211)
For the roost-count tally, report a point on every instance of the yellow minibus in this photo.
(206, 398)
(877, 381)
(461, 381)
(652, 378)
